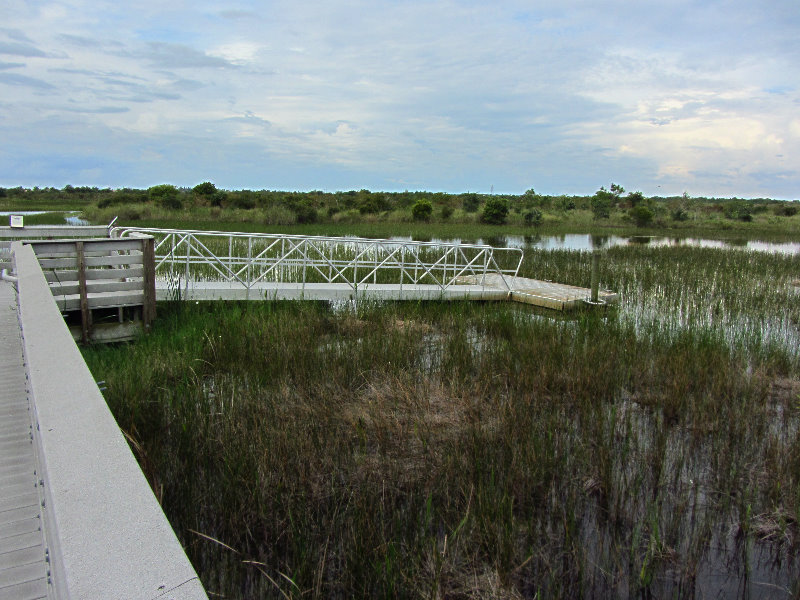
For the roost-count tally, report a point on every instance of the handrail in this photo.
(106, 533)
(351, 260)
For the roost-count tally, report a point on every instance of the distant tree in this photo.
(446, 212)
(739, 210)
(602, 201)
(495, 211)
(533, 216)
(641, 215)
(785, 209)
(679, 214)
(422, 210)
(205, 189)
(166, 195)
(305, 211)
(471, 203)
(635, 199)
(564, 203)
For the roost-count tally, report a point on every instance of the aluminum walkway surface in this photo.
(546, 294)
(23, 568)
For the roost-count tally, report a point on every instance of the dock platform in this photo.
(528, 291)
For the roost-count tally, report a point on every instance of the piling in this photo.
(595, 274)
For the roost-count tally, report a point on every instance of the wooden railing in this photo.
(92, 274)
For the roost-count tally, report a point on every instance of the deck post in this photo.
(149, 266)
(86, 315)
(595, 274)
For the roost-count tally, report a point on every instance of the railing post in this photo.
(249, 264)
(595, 274)
(187, 241)
(86, 314)
(149, 266)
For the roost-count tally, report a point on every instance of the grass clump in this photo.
(467, 450)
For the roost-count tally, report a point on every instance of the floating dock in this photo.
(545, 294)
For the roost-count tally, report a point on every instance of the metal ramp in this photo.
(195, 264)
(215, 265)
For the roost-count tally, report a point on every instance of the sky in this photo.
(562, 97)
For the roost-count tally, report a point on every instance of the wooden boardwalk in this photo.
(23, 566)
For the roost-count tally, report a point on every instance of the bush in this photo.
(533, 216)
(739, 210)
(166, 195)
(244, 199)
(495, 211)
(305, 211)
(471, 203)
(205, 189)
(785, 210)
(601, 203)
(565, 204)
(680, 214)
(447, 212)
(641, 215)
(422, 210)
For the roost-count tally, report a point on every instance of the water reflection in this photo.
(588, 242)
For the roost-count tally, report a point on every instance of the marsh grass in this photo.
(468, 450)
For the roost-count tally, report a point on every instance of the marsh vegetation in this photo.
(472, 450)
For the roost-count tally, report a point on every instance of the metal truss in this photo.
(255, 259)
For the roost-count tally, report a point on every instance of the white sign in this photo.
(16, 220)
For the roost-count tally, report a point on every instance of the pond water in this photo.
(587, 241)
(72, 218)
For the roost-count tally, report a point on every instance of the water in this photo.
(72, 218)
(587, 242)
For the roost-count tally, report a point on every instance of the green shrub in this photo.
(471, 202)
(166, 195)
(305, 211)
(205, 189)
(533, 216)
(641, 215)
(739, 210)
(785, 210)
(495, 211)
(601, 203)
(422, 210)
(446, 212)
(680, 214)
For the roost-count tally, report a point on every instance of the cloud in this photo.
(24, 81)
(177, 56)
(21, 49)
(447, 95)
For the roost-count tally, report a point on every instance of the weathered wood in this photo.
(116, 274)
(49, 247)
(106, 300)
(53, 231)
(149, 258)
(92, 261)
(595, 283)
(86, 316)
(95, 286)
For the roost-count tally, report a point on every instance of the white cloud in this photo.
(450, 94)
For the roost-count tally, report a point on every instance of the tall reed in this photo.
(468, 450)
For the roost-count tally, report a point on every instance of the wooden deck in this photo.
(23, 567)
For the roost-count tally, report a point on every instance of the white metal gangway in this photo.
(216, 264)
